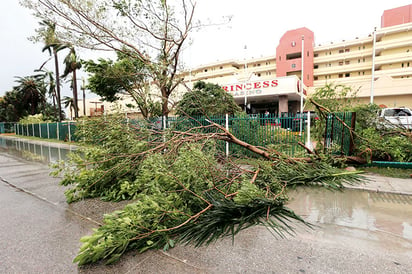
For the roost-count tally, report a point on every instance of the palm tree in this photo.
(69, 103)
(53, 45)
(51, 84)
(33, 91)
(73, 63)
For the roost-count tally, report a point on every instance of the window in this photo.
(315, 78)
(347, 74)
(292, 56)
(347, 50)
(258, 74)
(307, 54)
(402, 65)
(205, 70)
(316, 55)
(316, 66)
(340, 63)
(341, 51)
(358, 60)
(293, 65)
(221, 67)
(340, 75)
(347, 62)
(280, 58)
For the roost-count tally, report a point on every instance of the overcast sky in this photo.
(257, 24)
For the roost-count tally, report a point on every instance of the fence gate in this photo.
(338, 137)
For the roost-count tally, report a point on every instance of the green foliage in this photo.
(181, 192)
(129, 75)
(385, 146)
(335, 97)
(99, 167)
(366, 116)
(207, 99)
(377, 142)
(34, 119)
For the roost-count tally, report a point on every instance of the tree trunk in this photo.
(76, 107)
(58, 99)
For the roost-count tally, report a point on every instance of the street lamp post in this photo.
(301, 86)
(373, 66)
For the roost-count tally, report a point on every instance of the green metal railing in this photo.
(6, 127)
(281, 133)
(338, 137)
(61, 131)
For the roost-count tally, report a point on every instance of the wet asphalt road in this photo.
(40, 234)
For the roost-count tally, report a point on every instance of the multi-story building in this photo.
(378, 67)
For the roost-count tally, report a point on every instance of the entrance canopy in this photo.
(265, 90)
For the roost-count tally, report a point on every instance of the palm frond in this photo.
(227, 218)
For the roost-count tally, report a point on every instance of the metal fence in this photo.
(282, 133)
(61, 131)
(338, 137)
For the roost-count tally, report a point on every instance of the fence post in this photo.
(58, 132)
(40, 131)
(308, 141)
(227, 128)
(48, 131)
(68, 128)
(27, 129)
(342, 142)
(352, 126)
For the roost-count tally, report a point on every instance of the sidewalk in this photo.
(385, 184)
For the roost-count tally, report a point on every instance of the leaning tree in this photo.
(152, 31)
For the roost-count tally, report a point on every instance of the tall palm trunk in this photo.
(58, 98)
(76, 107)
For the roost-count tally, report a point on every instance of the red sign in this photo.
(251, 85)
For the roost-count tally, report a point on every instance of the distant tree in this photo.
(47, 33)
(335, 97)
(69, 103)
(51, 89)
(153, 32)
(127, 75)
(33, 92)
(11, 107)
(207, 99)
(73, 63)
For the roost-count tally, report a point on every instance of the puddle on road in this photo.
(28, 150)
(362, 211)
